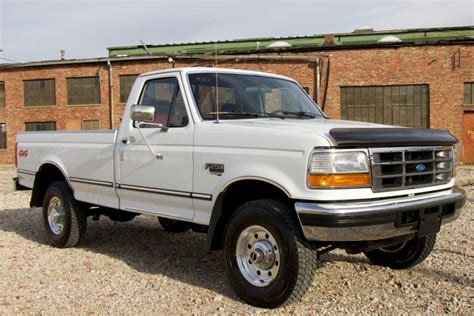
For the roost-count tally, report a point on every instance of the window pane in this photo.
(469, 93)
(83, 91)
(178, 115)
(90, 125)
(39, 92)
(239, 96)
(396, 105)
(40, 126)
(3, 136)
(126, 83)
(165, 96)
(2, 94)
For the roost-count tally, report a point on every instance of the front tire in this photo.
(267, 260)
(64, 218)
(404, 255)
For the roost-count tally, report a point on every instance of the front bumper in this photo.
(379, 219)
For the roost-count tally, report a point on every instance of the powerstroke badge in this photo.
(215, 168)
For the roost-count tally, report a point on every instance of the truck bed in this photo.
(94, 161)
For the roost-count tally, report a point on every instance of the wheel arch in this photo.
(234, 194)
(47, 173)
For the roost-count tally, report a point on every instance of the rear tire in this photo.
(174, 226)
(267, 260)
(64, 218)
(404, 255)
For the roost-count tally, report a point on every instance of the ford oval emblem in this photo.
(420, 167)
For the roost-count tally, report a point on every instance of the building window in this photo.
(469, 93)
(2, 94)
(3, 136)
(40, 126)
(83, 91)
(405, 105)
(126, 83)
(39, 92)
(90, 125)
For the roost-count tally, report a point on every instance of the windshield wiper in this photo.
(272, 114)
(238, 113)
(299, 114)
(253, 114)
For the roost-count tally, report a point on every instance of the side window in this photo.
(165, 95)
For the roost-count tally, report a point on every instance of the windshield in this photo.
(248, 96)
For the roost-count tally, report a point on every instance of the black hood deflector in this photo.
(391, 137)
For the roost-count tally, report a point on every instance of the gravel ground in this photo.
(138, 267)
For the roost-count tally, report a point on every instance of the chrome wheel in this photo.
(258, 255)
(56, 215)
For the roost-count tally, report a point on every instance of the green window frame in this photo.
(126, 84)
(403, 105)
(3, 136)
(83, 91)
(469, 93)
(90, 125)
(39, 92)
(40, 126)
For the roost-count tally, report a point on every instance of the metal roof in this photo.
(246, 47)
(341, 40)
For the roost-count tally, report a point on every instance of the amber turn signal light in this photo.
(338, 180)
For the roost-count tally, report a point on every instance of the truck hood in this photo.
(349, 133)
(320, 127)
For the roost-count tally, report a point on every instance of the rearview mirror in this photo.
(142, 113)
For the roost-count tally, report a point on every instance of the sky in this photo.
(39, 29)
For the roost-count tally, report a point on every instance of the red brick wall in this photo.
(15, 114)
(408, 65)
(404, 65)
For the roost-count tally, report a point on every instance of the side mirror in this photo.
(142, 113)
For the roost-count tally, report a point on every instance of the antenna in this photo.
(217, 85)
(145, 48)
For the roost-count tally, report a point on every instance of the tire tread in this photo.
(306, 252)
(78, 215)
(397, 261)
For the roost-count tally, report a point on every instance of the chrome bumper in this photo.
(379, 219)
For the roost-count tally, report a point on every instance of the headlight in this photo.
(338, 169)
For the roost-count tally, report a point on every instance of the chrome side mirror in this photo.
(142, 113)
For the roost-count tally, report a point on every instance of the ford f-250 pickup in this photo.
(249, 159)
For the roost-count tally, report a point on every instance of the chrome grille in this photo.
(408, 168)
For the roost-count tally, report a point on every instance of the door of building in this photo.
(403, 105)
(468, 137)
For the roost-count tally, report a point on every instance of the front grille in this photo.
(408, 168)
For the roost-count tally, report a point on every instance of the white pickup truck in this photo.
(249, 159)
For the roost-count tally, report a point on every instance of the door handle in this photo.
(128, 140)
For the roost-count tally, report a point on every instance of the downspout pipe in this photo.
(111, 95)
(318, 80)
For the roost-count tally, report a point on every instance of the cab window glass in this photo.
(165, 95)
(232, 94)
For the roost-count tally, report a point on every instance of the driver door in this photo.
(150, 184)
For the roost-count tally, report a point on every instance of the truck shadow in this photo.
(144, 246)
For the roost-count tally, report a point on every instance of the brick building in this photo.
(418, 77)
